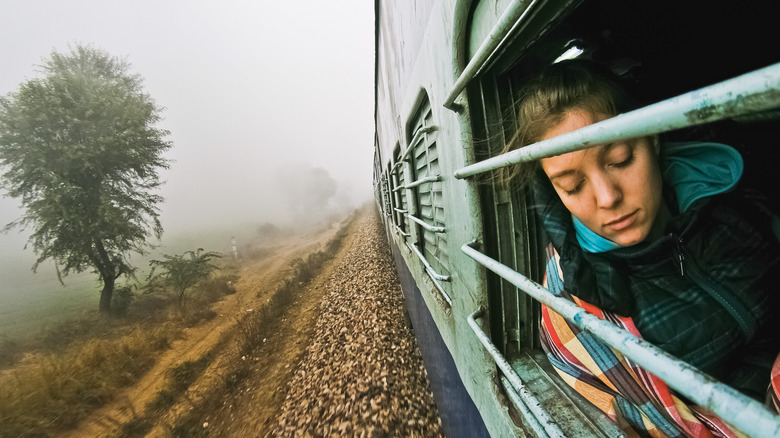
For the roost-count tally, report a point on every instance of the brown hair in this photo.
(547, 96)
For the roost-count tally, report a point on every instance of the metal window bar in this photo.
(415, 139)
(512, 16)
(745, 94)
(433, 274)
(401, 211)
(421, 181)
(401, 231)
(426, 225)
(540, 420)
(746, 414)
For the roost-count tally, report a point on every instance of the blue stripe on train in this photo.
(459, 415)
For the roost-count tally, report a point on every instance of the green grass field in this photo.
(30, 302)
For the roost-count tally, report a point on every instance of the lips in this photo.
(622, 222)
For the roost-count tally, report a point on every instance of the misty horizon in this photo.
(255, 106)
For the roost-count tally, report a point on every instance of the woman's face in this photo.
(614, 189)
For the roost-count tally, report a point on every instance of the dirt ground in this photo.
(339, 360)
(258, 280)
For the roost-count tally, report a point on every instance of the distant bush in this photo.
(121, 299)
(10, 351)
(180, 272)
(267, 230)
(214, 288)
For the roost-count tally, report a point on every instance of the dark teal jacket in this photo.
(707, 292)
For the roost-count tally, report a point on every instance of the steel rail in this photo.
(746, 414)
(513, 14)
(748, 93)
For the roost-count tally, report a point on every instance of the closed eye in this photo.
(575, 190)
(625, 163)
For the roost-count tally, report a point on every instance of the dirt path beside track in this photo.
(338, 361)
(258, 279)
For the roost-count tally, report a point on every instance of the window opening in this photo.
(616, 35)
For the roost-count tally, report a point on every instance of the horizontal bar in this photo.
(401, 211)
(528, 399)
(751, 92)
(428, 266)
(421, 181)
(426, 225)
(748, 415)
(514, 13)
(415, 139)
(434, 276)
(401, 231)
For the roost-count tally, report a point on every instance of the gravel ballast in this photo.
(362, 375)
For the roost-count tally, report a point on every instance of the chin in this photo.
(630, 240)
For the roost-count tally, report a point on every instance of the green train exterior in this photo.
(447, 76)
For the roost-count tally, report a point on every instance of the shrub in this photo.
(181, 272)
(121, 299)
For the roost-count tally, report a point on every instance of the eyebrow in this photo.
(562, 173)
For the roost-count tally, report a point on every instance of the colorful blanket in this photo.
(637, 401)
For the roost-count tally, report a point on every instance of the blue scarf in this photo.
(693, 170)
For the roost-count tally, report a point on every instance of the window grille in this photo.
(427, 188)
(743, 95)
(399, 193)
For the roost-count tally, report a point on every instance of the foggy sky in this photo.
(259, 96)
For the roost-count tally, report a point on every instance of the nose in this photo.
(608, 192)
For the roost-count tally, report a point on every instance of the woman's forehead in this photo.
(573, 119)
(569, 163)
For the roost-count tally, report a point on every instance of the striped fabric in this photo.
(773, 393)
(634, 399)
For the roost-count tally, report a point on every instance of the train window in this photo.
(427, 208)
(399, 192)
(386, 207)
(663, 49)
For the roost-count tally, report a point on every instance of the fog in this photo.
(269, 104)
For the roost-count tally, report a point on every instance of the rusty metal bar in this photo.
(751, 92)
(748, 415)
